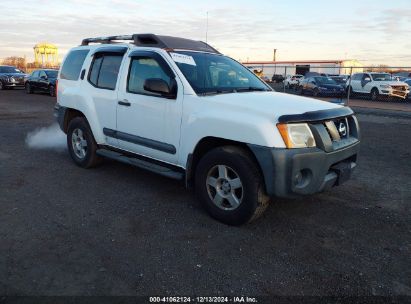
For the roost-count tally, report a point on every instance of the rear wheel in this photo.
(28, 88)
(81, 144)
(230, 185)
(52, 91)
(374, 94)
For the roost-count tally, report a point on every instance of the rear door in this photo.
(356, 82)
(102, 82)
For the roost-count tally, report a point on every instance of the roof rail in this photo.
(152, 40)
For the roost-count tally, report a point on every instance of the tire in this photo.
(350, 91)
(81, 144)
(28, 88)
(217, 173)
(52, 91)
(2, 86)
(374, 95)
(316, 92)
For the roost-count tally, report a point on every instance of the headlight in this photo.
(296, 135)
(385, 86)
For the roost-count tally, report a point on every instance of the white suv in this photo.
(376, 84)
(179, 108)
(292, 81)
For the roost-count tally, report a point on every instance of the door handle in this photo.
(124, 103)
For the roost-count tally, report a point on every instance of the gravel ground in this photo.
(118, 230)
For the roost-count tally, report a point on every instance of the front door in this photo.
(149, 123)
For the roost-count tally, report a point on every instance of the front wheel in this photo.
(1, 86)
(230, 186)
(374, 94)
(316, 92)
(81, 144)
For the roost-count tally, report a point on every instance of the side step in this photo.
(143, 164)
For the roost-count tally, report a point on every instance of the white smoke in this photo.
(50, 137)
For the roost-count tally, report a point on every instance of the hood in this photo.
(269, 104)
(392, 83)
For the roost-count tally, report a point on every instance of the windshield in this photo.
(324, 80)
(381, 77)
(11, 70)
(215, 74)
(51, 74)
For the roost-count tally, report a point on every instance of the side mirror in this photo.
(160, 86)
(43, 77)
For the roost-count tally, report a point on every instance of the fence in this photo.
(363, 86)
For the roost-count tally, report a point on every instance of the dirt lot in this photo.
(118, 230)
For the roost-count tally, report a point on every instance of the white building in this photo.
(301, 67)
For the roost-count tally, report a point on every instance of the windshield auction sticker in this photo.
(180, 58)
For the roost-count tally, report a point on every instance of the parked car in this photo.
(42, 81)
(277, 78)
(376, 85)
(408, 81)
(265, 78)
(181, 109)
(292, 81)
(341, 80)
(320, 86)
(11, 77)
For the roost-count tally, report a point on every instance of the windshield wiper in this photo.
(250, 89)
(217, 92)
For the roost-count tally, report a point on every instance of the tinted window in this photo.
(72, 65)
(104, 71)
(95, 69)
(357, 77)
(7, 69)
(35, 74)
(51, 74)
(42, 74)
(142, 69)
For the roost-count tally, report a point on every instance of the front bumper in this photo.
(59, 114)
(395, 93)
(293, 172)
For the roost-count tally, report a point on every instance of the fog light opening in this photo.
(302, 178)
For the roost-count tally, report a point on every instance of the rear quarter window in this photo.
(73, 64)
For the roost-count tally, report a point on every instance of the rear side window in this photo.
(72, 65)
(104, 71)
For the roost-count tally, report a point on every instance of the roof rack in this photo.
(152, 40)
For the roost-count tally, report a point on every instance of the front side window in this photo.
(104, 71)
(214, 74)
(35, 74)
(143, 68)
(42, 74)
(73, 64)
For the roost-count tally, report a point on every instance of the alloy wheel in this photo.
(79, 143)
(224, 187)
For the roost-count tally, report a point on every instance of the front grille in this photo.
(338, 128)
(399, 88)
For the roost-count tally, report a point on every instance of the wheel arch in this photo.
(69, 115)
(205, 145)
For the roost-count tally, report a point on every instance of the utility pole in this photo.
(274, 54)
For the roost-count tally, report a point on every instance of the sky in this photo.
(374, 32)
